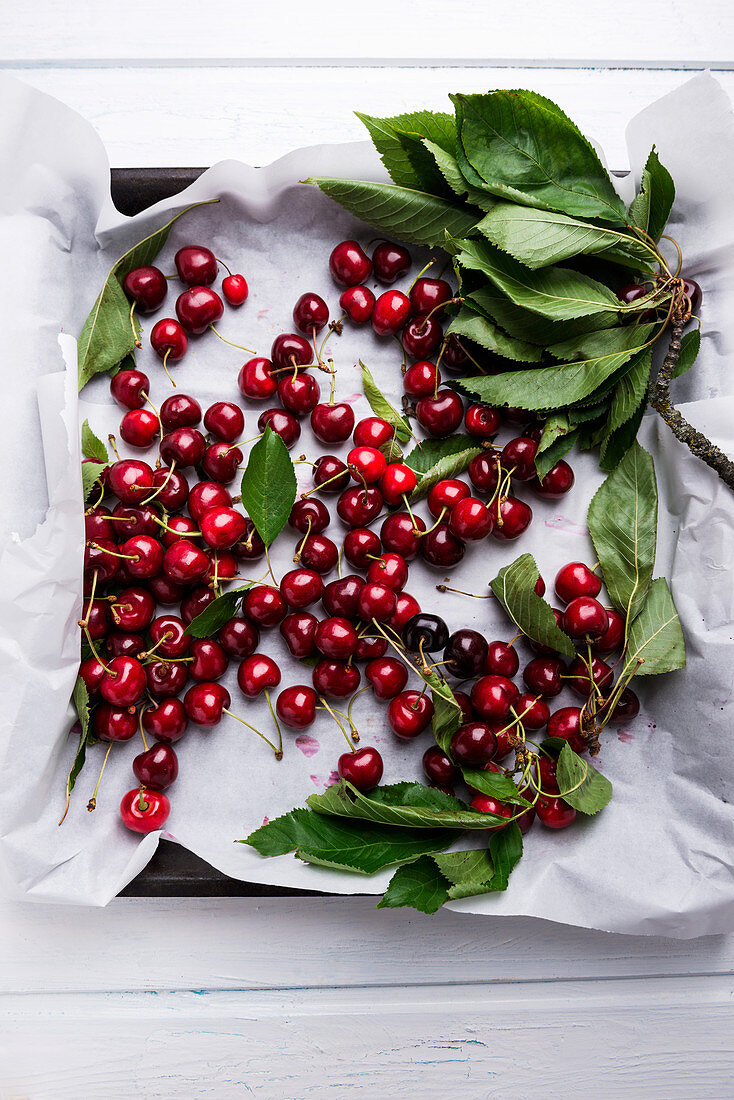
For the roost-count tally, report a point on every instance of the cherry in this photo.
(471, 519)
(197, 308)
(693, 292)
(518, 456)
(185, 563)
(165, 591)
(360, 546)
(376, 601)
(256, 379)
(554, 813)
(576, 579)
(251, 547)
(235, 289)
(566, 724)
(348, 264)
(98, 525)
(397, 482)
(123, 683)
(579, 680)
(238, 638)
(585, 618)
(310, 313)
(330, 474)
(222, 527)
(358, 507)
(422, 336)
(133, 610)
(144, 811)
(369, 647)
(409, 713)
(336, 638)
(440, 415)
(515, 517)
(428, 295)
(492, 697)
(546, 775)
(405, 608)
(543, 676)
(390, 262)
(446, 494)
(438, 768)
(335, 679)
(389, 569)
(221, 461)
(282, 423)
(401, 534)
(299, 393)
(206, 495)
(166, 721)
(184, 446)
(146, 556)
(473, 744)
(309, 516)
(169, 340)
(502, 659)
(341, 597)
(465, 655)
(195, 602)
(613, 637)
(157, 767)
(130, 388)
(222, 566)
(366, 464)
(196, 265)
(130, 480)
(224, 420)
(632, 292)
(99, 620)
(204, 703)
(180, 411)
(210, 662)
(421, 379)
(482, 422)
(289, 349)
(301, 587)
(373, 431)
(441, 548)
(100, 558)
(391, 311)
(535, 712)
(425, 632)
(627, 707)
(167, 633)
(296, 706)
(465, 705)
(556, 483)
(91, 672)
(332, 423)
(318, 552)
(114, 724)
(164, 679)
(539, 588)
(299, 631)
(264, 605)
(487, 805)
(484, 471)
(256, 674)
(387, 675)
(146, 286)
(358, 303)
(454, 356)
(363, 768)
(172, 488)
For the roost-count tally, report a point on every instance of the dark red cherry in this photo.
(438, 767)
(165, 591)
(358, 303)
(299, 393)
(441, 548)
(390, 262)
(309, 516)
(335, 679)
(389, 569)
(421, 379)
(514, 518)
(114, 724)
(391, 312)
(222, 461)
(387, 675)
(205, 703)
(454, 357)
(100, 557)
(205, 495)
(235, 289)
(130, 480)
(518, 457)
(440, 415)
(492, 697)
(373, 431)
(299, 630)
(613, 637)
(693, 292)
(157, 767)
(301, 587)
(360, 546)
(473, 744)
(446, 494)
(167, 634)
(376, 601)
(185, 563)
(369, 647)
(179, 527)
(363, 768)
(421, 337)
(482, 422)
(402, 534)
(579, 680)
(91, 672)
(184, 446)
(123, 683)
(330, 474)
(210, 662)
(487, 805)
(251, 547)
(465, 655)
(471, 519)
(585, 618)
(146, 286)
(145, 556)
(341, 597)
(198, 308)
(196, 265)
(628, 706)
(264, 605)
(165, 721)
(238, 638)
(133, 610)
(196, 601)
(180, 411)
(409, 713)
(169, 340)
(256, 379)
(427, 295)
(349, 265)
(576, 579)
(556, 483)
(130, 388)
(336, 638)
(289, 349)
(534, 713)
(318, 552)
(358, 507)
(425, 632)
(566, 724)
(256, 674)
(406, 607)
(554, 813)
(332, 423)
(172, 488)
(484, 471)
(310, 313)
(224, 420)
(502, 659)
(296, 706)
(282, 423)
(544, 676)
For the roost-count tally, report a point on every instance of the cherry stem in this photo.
(95, 654)
(302, 543)
(223, 265)
(92, 804)
(346, 736)
(351, 704)
(113, 445)
(151, 651)
(316, 488)
(277, 749)
(140, 726)
(433, 526)
(441, 305)
(185, 534)
(230, 342)
(114, 553)
(162, 486)
(165, 361)
(270, 568)
(142, 804)
(460, 592)
(136, 337)
(420, 273)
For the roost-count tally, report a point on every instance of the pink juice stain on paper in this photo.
(625, 736)
(262, 313)
(333, 778)
(351, 399)
(266, 820)
(562, 523)
(308, 745)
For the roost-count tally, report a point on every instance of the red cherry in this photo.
(373, 431)
(409, 713)
(172, 488)
(441, 548)
(282, 423)
(363, 768)
(387, 675)
(389, 569)
(360, 546)
(335, 637)
(196, 265)
(484, 471)
(628, 707)
(492, 697)
(535, 712)
(421, 337)
(164, 679)
(544, 676)
(576, 579)
(482, 422)
(376, 601)
(310, 313)
(454, 356)
(144, 811)
(421, 379)
(341, 597)
(235, 289)
(390, 262)
(349, 265)
(251, 547)
(299, 393)
(157, 767)
(222, 527)
(335, 679)
(556, 483)
(554, 813)
(91, 672)
(471, 519)
(206, 495)
(465, 654)
(330, 474)
(613, 637)
(401, 534)
(180, 411)
(438, 768)
(238, 638)
(566, 724)
(392, 310)
(296, 706)
(366, 464)
(169, 340)
(358, 303)
(693, 292)
(222, 566)
(264, 605)
(133, 610)
(539, 588)
(256, 380)
(130, 388)
(301, 587)
(204, 704)
(518, 457)
(318, 552)
(370, 647)
(515, 517)
(99, 619)
(165, 591)
(428, 295)
(310, 516)
(184, 446)
(114, 724)
(473, 744)
(440, 415)
(198, 308)
(185, 563)
(406, 607)
(256, 674)
(98, 525)
(166, 721)
(123, 683)
(502, 659)
(358, 507)
(487, 805)
(130, 480)
(291, 350)
(196, 601)
(332, 423)
(446, 494)
(210, 662)
(222, 461)
(299, 632)
(100, 558)
(398, 481)
(146, 286)
(224, 420)
(579, 680)
(167, 633)
(585, 618)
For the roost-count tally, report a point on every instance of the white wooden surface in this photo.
(309, 998)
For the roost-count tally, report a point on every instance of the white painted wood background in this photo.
(317, 998)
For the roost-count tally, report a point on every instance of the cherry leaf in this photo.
(91, 472)
(381, 406)
(269, 487)
(92, 445)
(211, 620)
(419, 885)
(580, 784)
(655, 638)
(514, 587)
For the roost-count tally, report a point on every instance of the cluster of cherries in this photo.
(155, 537)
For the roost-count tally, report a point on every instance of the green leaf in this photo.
(495, 785)
(623, 527)
(80, 699)
(400, 143)
(344, 800)
(447, 714)
(469, 872)
(523, 147)
(557, 293)
(92, 446)
(381, 406)
(650, 209)
(90, 476)
(419, 885)
(538, 238)
(435, 459)
(656, 637)
(627, 409)
(505, 850)
(514, 587)
(525, 325)
(449, 169)
(416, 794)
(399, 211)
(211, 620)
(580, 784)
(488, 335)
(554, 452)
(269, 486)
(690, 346)
(336, 842)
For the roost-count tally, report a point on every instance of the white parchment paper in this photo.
(659, 858)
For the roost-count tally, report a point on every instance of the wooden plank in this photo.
(464, 31)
